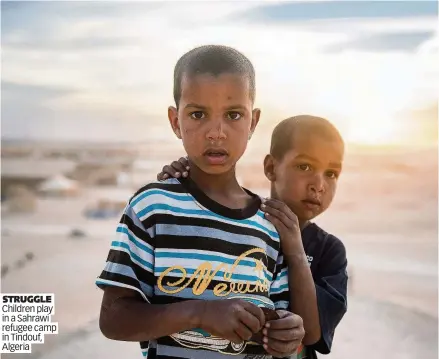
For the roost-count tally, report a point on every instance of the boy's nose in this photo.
(318, 183)
(216, 132)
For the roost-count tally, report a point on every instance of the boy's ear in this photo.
(173, 120)
(269, 168)
(256, 113)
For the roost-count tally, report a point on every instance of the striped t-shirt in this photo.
(171, 230)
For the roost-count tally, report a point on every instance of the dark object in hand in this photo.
(270, 314)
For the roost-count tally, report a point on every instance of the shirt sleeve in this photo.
(130, 261)
(279, 290)
(331, 291)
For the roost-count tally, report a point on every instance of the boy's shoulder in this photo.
(316, 239)
(326, 253)
(170, 184)
(168, 191)
(325, 237)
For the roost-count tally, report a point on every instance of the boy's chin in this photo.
(216, 170)
(306, 216)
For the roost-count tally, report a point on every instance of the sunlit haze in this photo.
(103, 70)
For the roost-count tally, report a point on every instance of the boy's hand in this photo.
(175, 169)
(232, 319)
(282, 337)
(287, 225)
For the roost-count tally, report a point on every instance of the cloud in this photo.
(51, 44)
(336, 10)
(383, 42)
(112, 63)
(32, 91)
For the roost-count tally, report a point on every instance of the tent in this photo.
(59, 185)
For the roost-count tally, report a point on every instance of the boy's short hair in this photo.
(283, 134)
(214, 60)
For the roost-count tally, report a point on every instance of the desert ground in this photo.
(385, 212)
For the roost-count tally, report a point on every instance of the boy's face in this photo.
(215, 119)
(306, 177)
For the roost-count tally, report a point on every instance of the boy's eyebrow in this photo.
(196, 106)
(337, 166)
(306, 157)
(233, 107)
(309, 158)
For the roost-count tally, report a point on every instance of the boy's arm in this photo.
(293, 290)
(125, 316)
(322, 303)
(128, 282)
(303, 296)
(294, 284)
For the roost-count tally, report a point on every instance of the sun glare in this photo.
(372, 130)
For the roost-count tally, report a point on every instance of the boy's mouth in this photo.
(216, 156)
(312, 203)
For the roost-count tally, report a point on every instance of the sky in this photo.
(97, 70)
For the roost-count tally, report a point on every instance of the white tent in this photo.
(59, 185)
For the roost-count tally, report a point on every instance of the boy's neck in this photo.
(303, 224)
(217, 186)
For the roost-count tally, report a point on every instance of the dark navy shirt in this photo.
(327, 258)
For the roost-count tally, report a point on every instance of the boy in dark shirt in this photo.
(303, 167)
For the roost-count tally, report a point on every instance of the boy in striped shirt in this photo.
(196, 262)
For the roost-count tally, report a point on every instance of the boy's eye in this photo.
(332, 174)
(197, 115)
(234, 116)
(304, 167)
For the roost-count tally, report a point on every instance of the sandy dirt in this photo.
(388, 222)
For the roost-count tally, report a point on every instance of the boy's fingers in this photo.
(281, 349)
(179, 169)
(278, 345)
(274, 203)
(282, 217)
(273, 352)
(276, 222)
(250, 322)
(234, 337)
(284, 334)
(282, 313)
(185, 162)
(244, 332)
(171, 171)
(162, 176)
(281, 207)
(178, 166)
(292, 321)
(258, 313)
